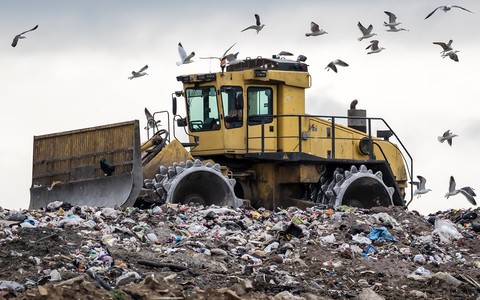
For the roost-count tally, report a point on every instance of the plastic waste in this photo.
(381, 234)
(446, 231)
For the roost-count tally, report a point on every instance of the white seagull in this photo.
(420, 187)
(446, 47)
(184, 59)
(258, 25)
(334, 63)
(452, 54)
(374, 47)
(140, 73)
(467, 191)
(367, 32)
(231, 59)
(392, 20)
(315, 30)
(447, 136)
(221, 57)
(446, 8)
(21, 36)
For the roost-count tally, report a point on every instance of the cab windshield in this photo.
(202, 109)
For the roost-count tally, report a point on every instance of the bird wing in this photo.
(469, 190)
(453, 56)
(362, 28)
(285, 53)
(422, 182)
(373, 45)
(469, 197)
(250, 27)
(462, 8)
(314, 27)
(190, 56)
(212, 57)
(451, 186)
(181, 52)
(446, 133)
(148, 114)
(391, 17)
(441, 44)
(29, 30)
(143, 69)
(257, 17)
(370, 28)
(341, 63)
(433, 12)
(332, 66)
(225, 53)
(15, 40)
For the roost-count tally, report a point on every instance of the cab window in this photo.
(233, 114)
(202, 109)
(260, 103)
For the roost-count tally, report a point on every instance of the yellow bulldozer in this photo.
(249, 139)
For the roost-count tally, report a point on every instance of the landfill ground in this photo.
(182, 252)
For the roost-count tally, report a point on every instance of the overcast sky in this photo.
(72, 72)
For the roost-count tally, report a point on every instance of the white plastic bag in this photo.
(446, 230)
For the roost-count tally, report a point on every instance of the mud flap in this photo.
(66, 166)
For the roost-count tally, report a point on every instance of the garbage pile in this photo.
(196, 252)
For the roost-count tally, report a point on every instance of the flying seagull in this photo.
(446, 8)
(446, 47)
(184, 59)
(315, 30)
(150, 120)
(221, 57)
(140, 73)
(334, 63)
(467, 191)
(447, 136)
(420, 187)
(452, 54)
(231, 59)
(284, 53)
(374, 47)
(367, 32)
(21, 36)
(392, 23)
(258, 25)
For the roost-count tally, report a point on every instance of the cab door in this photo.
(261, 125)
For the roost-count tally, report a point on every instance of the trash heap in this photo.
(196, 252)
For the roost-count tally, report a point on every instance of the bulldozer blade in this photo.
(97, 166)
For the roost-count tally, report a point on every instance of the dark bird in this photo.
(140, 73)
(447, 136)
(446, 8)
(452, 54)
(150, 120)
(333, 65)
(258, 25)
(445, 46)
(21, 36)
(106, 167)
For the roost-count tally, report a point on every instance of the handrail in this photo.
(409, 165)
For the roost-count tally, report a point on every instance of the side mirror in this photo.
(174, 106)
(182, 122)
(239, 100)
